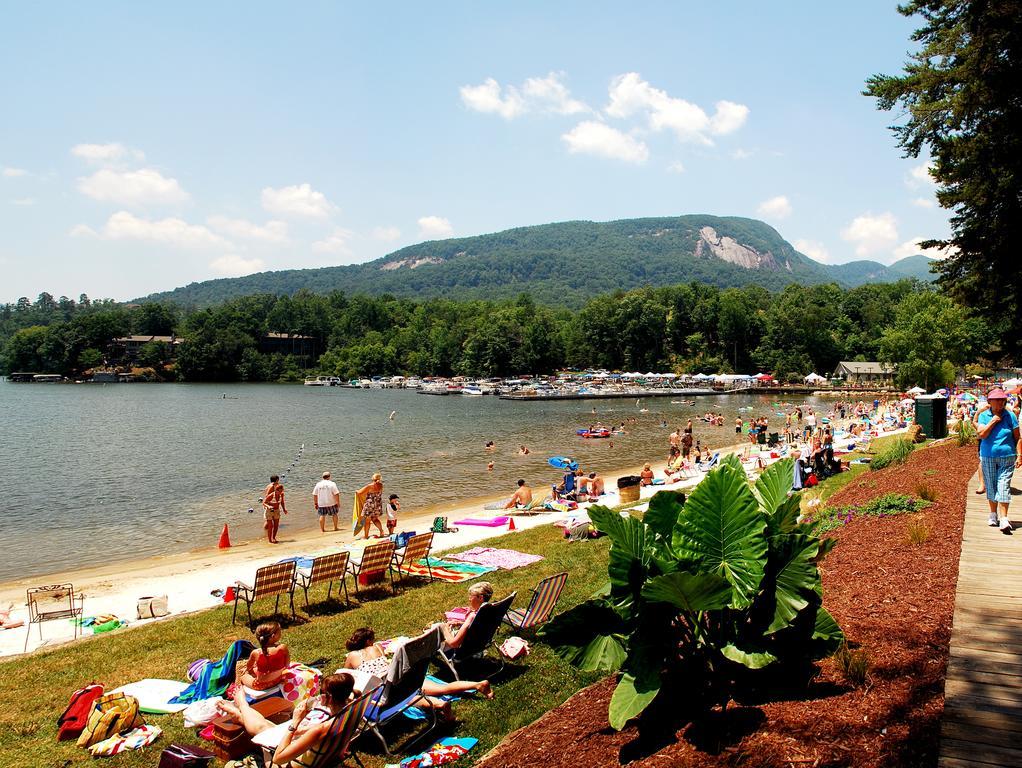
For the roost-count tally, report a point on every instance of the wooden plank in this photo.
(981, 753)
(999, 736)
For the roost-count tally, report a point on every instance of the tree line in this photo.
(688, 328)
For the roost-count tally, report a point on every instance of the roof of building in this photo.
(855, 366)
(286, 336)
(146, 339)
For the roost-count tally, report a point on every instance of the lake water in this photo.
(102, 473)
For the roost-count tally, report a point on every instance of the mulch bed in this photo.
(894, 600)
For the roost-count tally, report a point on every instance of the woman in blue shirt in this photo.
(999, 454)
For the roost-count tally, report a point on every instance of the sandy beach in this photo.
(188, 579)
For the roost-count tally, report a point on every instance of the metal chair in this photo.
(328, 568)
(52, 603)
(375, 558)
(270, 581)
(541, 606)
(480, 636)
(416, 549)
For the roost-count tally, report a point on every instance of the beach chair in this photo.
(328, 568)
(53, 603)
(335, 748)
(375, 559)
(270, 581)
(706, 466)
(479, 637)
(541, 606)
(416, 549)
(403, 688)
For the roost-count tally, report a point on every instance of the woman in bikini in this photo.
(267, 664)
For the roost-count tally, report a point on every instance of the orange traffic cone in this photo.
(225, 539)
(511, 524)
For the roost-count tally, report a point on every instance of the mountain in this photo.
(564, 263)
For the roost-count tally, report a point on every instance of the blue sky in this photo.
(145, 146)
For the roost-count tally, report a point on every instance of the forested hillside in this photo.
(563, 264)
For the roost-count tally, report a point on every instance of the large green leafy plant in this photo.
(705, 595)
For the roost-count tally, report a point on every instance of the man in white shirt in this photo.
(326, 500)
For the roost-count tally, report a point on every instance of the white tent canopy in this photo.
(814, 377)
(916, 391)
(1012, 383)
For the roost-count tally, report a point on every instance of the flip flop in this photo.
(981, 490)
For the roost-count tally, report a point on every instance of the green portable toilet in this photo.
(931, 415)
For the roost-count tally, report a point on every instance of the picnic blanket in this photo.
(447, 750)
(505, 559)
(447, 570)
(484, 522)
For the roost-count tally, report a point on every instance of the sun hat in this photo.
(997, 394)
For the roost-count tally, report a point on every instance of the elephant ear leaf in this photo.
(629, 700)
(796, 579)
(827, 635)
(722, 530)
(750, 659)
(591, 636)
(690, 592)
(773, 484)
(629, 553)
(664, 508)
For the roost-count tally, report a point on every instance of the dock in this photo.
(982, 722)
(545, 396)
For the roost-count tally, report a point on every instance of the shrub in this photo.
(887, 505)
(896, 453)
(927, 492)
(966, 432)
(854, 665)
(917, 531)
(705, 594)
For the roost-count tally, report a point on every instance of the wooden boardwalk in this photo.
(982, 724)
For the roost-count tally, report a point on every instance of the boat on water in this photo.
(472, 390)
(593, 433)
(319, 381)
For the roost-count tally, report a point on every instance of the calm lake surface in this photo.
(104, 473)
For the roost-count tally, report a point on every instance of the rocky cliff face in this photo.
(730, 250)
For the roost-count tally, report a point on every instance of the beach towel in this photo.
(444, 751)
(154, 695)
(356, 513)
(140, 737)
(447, 570)
(215, 676)
(506, 559)
(483, 522)
(497, 505)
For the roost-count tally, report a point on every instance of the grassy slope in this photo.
(36, 688)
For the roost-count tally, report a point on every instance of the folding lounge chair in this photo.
(416, 549)
(375, 558)
(706, 466)
(270, 581)
(403, 688)
(328, 568)
(479, 637)
(53, 603)
(541, 607)
(335, 747)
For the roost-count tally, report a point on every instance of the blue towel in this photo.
(215, 676)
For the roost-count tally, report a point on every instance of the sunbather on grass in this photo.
(267, 664)
(310, 723)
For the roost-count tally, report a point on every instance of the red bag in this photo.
(74, 719)
(811, 480)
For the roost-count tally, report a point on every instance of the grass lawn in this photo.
(36, 688)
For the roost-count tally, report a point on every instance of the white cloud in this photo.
(594, 138)
(297, 200)
(435, 227)
(537, 94)
(270, 232)
(871, 233)
(104, 154)
(11, 173)
(232, 265)
(775, 208)
(676, 167)
(813, 249)
(125, 226)
(142, 187)
(24, 201)
(924, 202)
(919, 177)
(630, 95)
(386, 234)
(335, 242)
(912, 248)
(742, 154)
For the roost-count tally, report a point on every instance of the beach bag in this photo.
(181, 756)
(112, 714)
(152, 607)
(514, 648)
(401, 539)
(812, 480)
(439, 525)
(201, 713)
(72, 721)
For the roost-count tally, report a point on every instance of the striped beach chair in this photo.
(416, 549)
(335, 747)
(541, 606)
(328, 568)
(270, 581)
(375, 559)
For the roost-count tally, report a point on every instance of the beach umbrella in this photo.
(916, 391)
(967, 397)
(1012, 383)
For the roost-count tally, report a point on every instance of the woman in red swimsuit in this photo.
(267, 663)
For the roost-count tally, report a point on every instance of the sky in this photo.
(145, 146)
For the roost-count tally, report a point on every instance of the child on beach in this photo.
(393, 507)
(267, 663)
